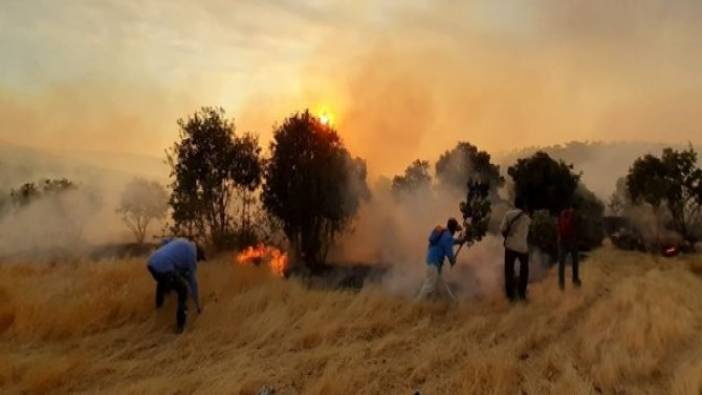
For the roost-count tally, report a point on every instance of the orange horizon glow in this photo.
(531, 77)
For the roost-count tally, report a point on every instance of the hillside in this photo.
(20, 164)
(86, 327)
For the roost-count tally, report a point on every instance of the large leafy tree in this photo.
(465, 162)
(142, 202)
(247, 172)
(209, 164)
(589, 222)
(415, 178)
(312, 185)
(672, 181)
(544, 183)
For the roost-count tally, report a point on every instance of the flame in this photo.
(276, 259)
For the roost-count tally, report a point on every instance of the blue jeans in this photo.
(172, 281)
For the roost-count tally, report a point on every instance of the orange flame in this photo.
(276, 259)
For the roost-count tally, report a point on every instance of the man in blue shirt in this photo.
(173, 266)
(441, 242)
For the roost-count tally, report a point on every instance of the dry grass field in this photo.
(85, 327)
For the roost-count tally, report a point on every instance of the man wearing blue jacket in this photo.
(441, 242)
(173, 266)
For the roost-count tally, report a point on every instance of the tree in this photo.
(543, 182)
(29, 192)
(476, 210)
(208, 164)
(247, 171)
(620, 199)
(673, 182)
(466, 163)
(312, 185)
(589, 222)
(543, 233)
(25, 194)
(142, 202)
(416, 178)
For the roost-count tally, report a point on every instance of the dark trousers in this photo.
(521, 286)
(172, 281)
(565, 250)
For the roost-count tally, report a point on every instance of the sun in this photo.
(326, 118)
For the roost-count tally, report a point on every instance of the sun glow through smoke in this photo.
(325, 116)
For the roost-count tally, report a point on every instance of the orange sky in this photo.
(401, 82)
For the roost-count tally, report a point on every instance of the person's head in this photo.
(453, 226)
(200, 253)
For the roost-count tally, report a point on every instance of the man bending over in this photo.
(173, 266)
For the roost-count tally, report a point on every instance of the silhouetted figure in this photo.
(173, 266)
(515, 229)
(568, 246)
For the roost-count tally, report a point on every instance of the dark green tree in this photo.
(312, 185)
(672, 181)
(476, 210)
(415, 178)
(544, 183)
(208, 164)
(589, 213)
(465, 162)
(543, 232)
(247, 171)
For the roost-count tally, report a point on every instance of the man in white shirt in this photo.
(515, 229)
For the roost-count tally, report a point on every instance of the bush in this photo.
(589, 218)
(543, 232)
(544, 183)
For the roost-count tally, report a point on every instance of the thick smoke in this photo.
(394, 230)
(504, 77)
(69, 224)
(49, 227)
(402, 80)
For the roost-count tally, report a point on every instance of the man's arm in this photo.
(448, 249)
(503, 225)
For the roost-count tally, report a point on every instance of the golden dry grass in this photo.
(85, 327)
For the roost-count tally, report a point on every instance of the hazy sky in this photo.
(402, 79)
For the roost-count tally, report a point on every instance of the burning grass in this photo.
(87, 327)
(271, 256)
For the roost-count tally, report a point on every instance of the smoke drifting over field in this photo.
(400, 81)
(395, 230)
(71, 223)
